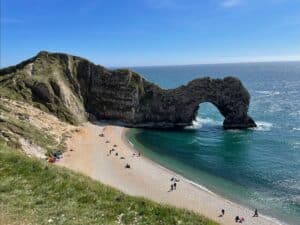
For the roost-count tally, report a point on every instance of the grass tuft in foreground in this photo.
(34, 192)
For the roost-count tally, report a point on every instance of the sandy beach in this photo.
(89, 153)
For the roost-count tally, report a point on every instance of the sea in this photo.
(258, 168)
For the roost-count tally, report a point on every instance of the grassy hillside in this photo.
(34, 192)
(36, 96)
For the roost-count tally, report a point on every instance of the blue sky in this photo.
(152, 32)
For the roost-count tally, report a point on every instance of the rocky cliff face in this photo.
(74, 89)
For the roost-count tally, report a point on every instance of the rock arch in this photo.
(178, 107)
(125, 96)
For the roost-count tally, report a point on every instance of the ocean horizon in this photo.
(258, 168)
(137, 67)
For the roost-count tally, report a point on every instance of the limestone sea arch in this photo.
(75, 89)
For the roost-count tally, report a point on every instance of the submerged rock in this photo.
(75, 89)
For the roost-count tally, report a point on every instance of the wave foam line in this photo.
(130, 143)
(268, 92)
(263, 126)
(199, 122)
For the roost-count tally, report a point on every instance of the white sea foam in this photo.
(199, 122)
(296, 128)
(130, 143)
(199, 186)
(273, 220)
(270, 93)
(235, 130)
(263, 126)
(296, 145)
(196, 124)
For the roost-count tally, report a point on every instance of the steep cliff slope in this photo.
(75, 89)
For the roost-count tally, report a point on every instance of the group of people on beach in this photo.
(55, 156)
(173, 184)
(127, 166)
(238, 219)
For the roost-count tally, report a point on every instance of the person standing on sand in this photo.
(237, 219)
(255, 213)
(223, 212)
(174, 186)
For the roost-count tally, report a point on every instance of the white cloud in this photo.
(230, 3)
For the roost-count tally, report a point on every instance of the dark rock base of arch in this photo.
(248, 122)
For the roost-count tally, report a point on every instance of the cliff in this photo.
(74, 89)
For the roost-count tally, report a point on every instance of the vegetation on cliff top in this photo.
(34, 81)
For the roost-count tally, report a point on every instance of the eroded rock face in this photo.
(76, 84)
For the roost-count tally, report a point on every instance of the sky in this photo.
(151, 32)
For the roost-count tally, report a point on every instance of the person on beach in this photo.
(171, 188)
(237, 219)
(255, 213)
(175, 186)
(127, 166)
(223, 212)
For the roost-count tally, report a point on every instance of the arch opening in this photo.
(208, 115)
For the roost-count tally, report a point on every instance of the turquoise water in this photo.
(260, 167)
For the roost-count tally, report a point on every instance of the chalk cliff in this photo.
(75, 89)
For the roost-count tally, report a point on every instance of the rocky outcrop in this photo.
(73, 88)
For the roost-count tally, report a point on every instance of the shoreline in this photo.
(197, 185)
(131, 145)
(145, 178)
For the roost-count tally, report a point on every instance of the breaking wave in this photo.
(263, 126)
(199, 122)
(270, 93)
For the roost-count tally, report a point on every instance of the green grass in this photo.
(34, 192)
